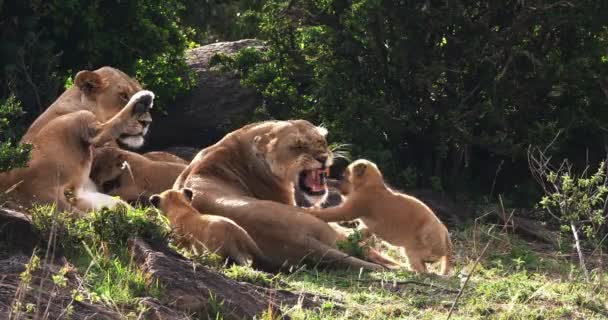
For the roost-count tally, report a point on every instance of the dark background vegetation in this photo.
(446, 95)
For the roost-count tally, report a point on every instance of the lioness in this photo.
(103, 92)
(131, 176)
(249, 177)
(62, 155)
(202, 231)
(164, 156)
(398, 218)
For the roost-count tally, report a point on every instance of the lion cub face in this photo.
(170, 198)
(108, 90)
(297, 151)
(107, 168)
(359, 175)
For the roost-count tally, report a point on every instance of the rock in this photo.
(157, 311)
(189, 287)
(216, 106)
(17, 234)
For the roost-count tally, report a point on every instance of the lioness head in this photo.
(105, 92)
(296, 151)
(360, 174)
(169, 198)
(108, 168)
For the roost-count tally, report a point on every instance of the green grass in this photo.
(514, 280)
(517, 280)
(97, 247)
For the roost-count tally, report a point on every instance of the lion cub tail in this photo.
(446, 260)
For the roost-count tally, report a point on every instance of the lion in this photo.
(206, 232)
(131, 176)
(397, 218)
(165, 157)
(103, 92)
(249, 176)
(62, 154)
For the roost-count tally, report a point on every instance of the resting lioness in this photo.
(398, 218)
(164, 156)
(131, 176)
(104, 92)
(206, 232)
(249, 177)
(60, 164)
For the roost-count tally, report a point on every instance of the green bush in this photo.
(12, 154)
(44, 42)
(455, 91)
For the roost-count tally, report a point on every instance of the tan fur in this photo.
(131, 176)
(62, 155)
(400, 219)
(103, 92)
(165, 157)
(206, 232)
(249, 177)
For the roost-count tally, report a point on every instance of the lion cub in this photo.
(400, 219)
(202, 231)
(131, 176)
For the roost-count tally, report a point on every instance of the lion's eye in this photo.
(124, 97)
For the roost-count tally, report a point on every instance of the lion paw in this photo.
(143, 101)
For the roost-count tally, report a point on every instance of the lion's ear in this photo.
(88, 81)
(260, 142)
(187, 192)
(155, 200)
(359, 169)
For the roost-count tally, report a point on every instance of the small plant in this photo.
(577, 202)
(215, 307)
(12, 154)
(354, 244)
(248, 274)
(18, 306)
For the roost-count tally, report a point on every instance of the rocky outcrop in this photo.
(17, 234)
(190, 287)
(217, 105)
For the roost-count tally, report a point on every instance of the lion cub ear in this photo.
(359, 169)
(155, 200)
(187, 192)
(88, 81)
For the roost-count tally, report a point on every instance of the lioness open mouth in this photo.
(313, 182)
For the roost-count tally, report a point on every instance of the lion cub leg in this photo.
(139, 104)
(84, 194)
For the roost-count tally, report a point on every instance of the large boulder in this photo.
(216, 106)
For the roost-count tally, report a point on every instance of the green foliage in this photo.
(353, 245)
(451, 90)
(97, 245)
(248, 274)
(579, 200)
(44, 42)
(12, 154)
